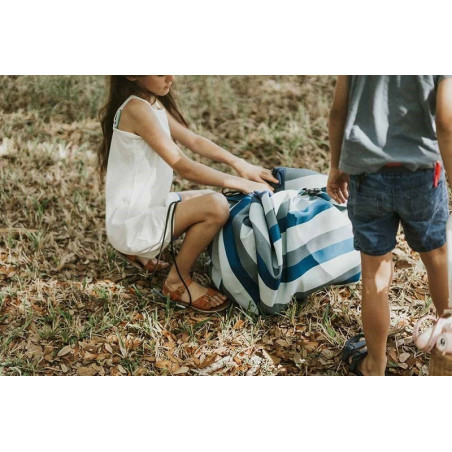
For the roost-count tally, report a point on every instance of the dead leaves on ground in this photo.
(69, 306)
(159, 340)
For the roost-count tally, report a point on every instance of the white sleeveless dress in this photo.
(137, 192)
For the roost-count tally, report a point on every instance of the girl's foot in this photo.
(145, 264)
(150, 264)
(203, 298)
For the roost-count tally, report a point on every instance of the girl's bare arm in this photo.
(212, 151)
(145, 124)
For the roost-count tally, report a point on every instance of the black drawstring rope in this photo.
(174, 255)
(228, 193)
(172, 211)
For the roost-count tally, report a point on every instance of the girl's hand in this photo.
(337, 185)
(254, 173)
(250, 186)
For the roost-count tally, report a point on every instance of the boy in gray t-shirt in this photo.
(389, 135)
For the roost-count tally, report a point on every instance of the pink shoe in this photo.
(427, 340)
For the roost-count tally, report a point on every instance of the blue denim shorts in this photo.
(378, 202)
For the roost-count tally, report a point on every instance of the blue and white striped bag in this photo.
(283, 245)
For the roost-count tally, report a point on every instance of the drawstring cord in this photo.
(172, 212)
(229, 193)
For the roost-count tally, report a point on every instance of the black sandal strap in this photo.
(353, 353)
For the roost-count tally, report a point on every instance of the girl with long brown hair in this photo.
(138, 156)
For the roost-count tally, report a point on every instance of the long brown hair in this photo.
(120, 88)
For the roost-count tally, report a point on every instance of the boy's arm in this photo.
(444, 124)
(337, 185)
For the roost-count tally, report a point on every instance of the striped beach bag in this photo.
(276, 246)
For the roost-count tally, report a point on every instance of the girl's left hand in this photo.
(254, 173)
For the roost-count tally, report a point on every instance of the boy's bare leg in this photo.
(377, 274)
(435, 262)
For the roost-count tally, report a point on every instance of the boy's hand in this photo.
(337, 185)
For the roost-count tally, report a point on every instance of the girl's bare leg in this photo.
(201, 217)
(190, 194)
(186, 195)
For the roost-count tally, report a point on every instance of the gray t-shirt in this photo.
(391, 118)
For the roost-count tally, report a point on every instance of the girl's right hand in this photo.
(250, 186)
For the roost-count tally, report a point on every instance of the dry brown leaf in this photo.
(170, 345)
(327, 353)
(272, 358)
(88, 346)
(297, 359)
(86, 371)
(276, 359)
(310, 346)
(34, 350)
(283, 343)
(207, 361)
(150, 359)
(65, 350)
(392, 354)
(108, 348)
(100, 370)
(114, 372)
(238, 324)
(163, 364)
(89, 356)
(168, 335)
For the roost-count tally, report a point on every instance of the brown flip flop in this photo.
(150, 265)
(201, 304)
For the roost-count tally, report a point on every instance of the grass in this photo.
(69, 306)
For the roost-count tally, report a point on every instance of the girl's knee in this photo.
(187, 195)
(218, 208)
